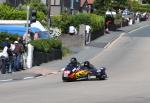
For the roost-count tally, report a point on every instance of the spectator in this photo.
(4, 59)
(6, 42)
(10, 59)
(4, 52)
(20, 39)
(17, 58)
(130, 21)
(72, 30)
(87, 33)
(36, 36)
(87, 29)
(26, 37)
(31, 34)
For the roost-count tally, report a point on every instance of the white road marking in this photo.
(113, 42)
(6, 80)
(138, 28)
(28, 78)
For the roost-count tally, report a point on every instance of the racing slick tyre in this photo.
(67, 79)
(102, 77)
(88, 77)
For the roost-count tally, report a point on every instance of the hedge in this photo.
(64, 21)
(3, 37)
(141, 9)
(46, 45)
(42, 45)
(10, 13)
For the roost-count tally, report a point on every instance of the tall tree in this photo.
(121, 2)
(102, 5)
(146, 1)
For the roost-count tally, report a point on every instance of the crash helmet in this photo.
(73, 60)
(87, 64)
(103, 68)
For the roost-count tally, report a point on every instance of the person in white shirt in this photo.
(72, 30)
(87, 29)
(6, 58)
(88, 33)
(4, 52)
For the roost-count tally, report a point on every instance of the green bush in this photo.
(10, 13)
(135, 6)
(4, 35)
(141, 9)
(46, 45)
(64, 21)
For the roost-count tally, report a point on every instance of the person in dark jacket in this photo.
(74, 62)
(88, 65)
(31, 34)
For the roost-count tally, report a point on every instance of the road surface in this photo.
(128, 66)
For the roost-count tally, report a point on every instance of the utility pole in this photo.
(28, 13)
(72, 6)
(49, 13)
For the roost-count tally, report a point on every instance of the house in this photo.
(58, 6)
(78, 5)
(55, 6)
(71, 6)
(15, 3)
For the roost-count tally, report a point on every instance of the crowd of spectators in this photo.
(12, 55)
(129, 17)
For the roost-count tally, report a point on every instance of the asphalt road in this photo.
(127, 61)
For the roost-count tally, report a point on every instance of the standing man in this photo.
(87, 34)
(31, 34)
(18, 50)
(28, 36)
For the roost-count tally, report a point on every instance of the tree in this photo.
(35, 4)
(102, 5)
(38, 5)
(146, 1)
(120, 2)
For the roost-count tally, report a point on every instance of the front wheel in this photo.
(64, 79)
(88, 77)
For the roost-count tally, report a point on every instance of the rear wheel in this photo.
(102, 77)
(64, 79)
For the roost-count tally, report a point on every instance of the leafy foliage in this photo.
(135, 6)
(10, 13)
(46, 45)
(4, 35)
(102, 5)
(65, 20)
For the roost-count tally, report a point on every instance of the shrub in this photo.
(4, 35)
(140, 8)
(46, 45)
(63, 21)
(10, 13)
